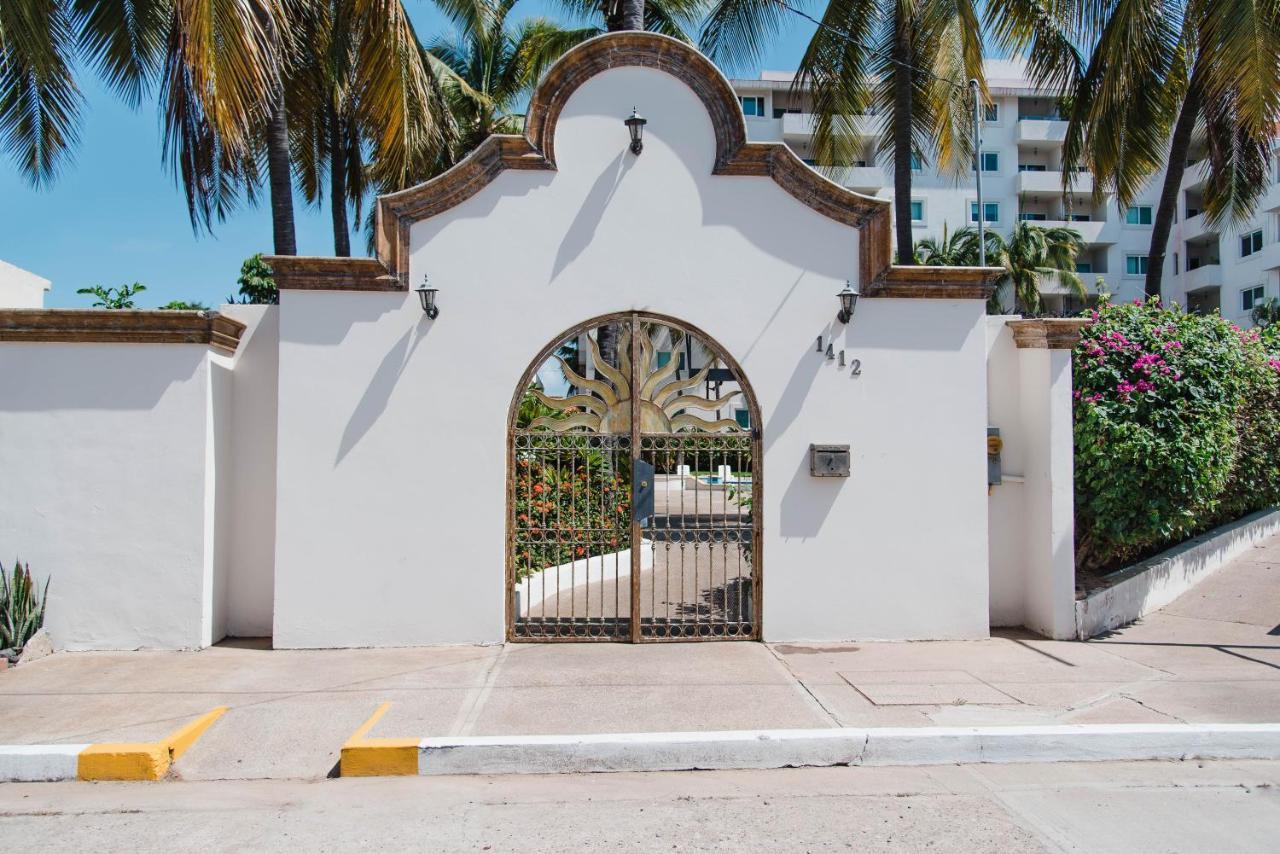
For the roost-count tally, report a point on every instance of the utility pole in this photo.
(977, 170)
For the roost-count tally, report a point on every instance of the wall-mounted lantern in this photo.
(848, 302)
(427, 295)
(635, 125)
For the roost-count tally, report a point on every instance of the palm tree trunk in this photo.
(624, 15)
(338, 188)
(1176, 166)
(280, 180)
(902, 139)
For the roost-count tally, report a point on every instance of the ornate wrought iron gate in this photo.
(634, 493)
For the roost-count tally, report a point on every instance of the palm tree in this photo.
(212, 61)
(908, 61)
(486, 68)
(958, 249)
(1157, 71)
(365, 106)
(225, 72)
(1033, 255)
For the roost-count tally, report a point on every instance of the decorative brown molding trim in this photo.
(109, 326)
(294, 272)
(1047, 333)
(644, 50)
(935, 282)
(396, 212)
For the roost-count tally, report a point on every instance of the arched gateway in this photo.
(633, 491)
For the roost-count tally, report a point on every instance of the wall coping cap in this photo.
(315, 273)
(1047, 333)
(917, 282)
(120, 326)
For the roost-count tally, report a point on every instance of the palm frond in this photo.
(736, 33)
(39, 100)
(124, 41)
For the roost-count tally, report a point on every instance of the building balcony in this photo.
(1195, 175)
(1050, 183)
(760, 129)
(1270, 201)
(800, 125)
(1042, 131)
(1055, 286)
(1196, 228)
(1205, 276)
(860, 179)
(1093, 231)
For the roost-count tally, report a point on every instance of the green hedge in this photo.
(1177, 429)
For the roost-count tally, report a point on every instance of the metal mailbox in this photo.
(829, 460)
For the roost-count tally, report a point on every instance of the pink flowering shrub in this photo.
(1254, 482)
(1158, 394)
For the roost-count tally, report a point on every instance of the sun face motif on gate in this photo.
(608, 410)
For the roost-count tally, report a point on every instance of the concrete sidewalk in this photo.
(1212, 656)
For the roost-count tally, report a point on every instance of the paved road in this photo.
(1097, 807)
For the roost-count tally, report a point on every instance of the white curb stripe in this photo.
(678, 751)
(36, 763)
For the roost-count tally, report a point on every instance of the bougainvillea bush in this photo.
(1175, 418)
(568, 509)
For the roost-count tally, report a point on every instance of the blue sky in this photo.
(116, 215)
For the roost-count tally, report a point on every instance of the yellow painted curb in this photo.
(378, 757)
(142, 760)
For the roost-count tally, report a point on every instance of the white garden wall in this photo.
(1032, 513)
(391, 477)
(105, 455)
(251, 519)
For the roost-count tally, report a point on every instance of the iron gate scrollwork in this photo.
(634, 489)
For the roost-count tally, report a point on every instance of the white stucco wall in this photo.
(104, 450)
(1031, 523)
(1006, 503)
(392, 428)
(251, 517)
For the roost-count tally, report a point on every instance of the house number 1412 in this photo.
(855, 365)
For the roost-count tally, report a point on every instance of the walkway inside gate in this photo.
(634, 516)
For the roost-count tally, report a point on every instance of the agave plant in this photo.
(21, 607)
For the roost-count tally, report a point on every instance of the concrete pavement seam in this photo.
(805, 691)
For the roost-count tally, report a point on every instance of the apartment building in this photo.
(1206, 268)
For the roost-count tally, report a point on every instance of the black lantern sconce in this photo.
(427, 295)
(635, 126)
(848, 302)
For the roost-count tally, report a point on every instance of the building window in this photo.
(1084, 267)
(1251, 243)
(752, 105)
(743, 417)
(990, 213)
(917, 162)
(1135, 265)
(990, 113)
(917, 211)
(1033, 217)
(1175, 263)
(1081, 218)
(1138, 215)
(990, 161)
(1249, 297)
(1031, 167)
